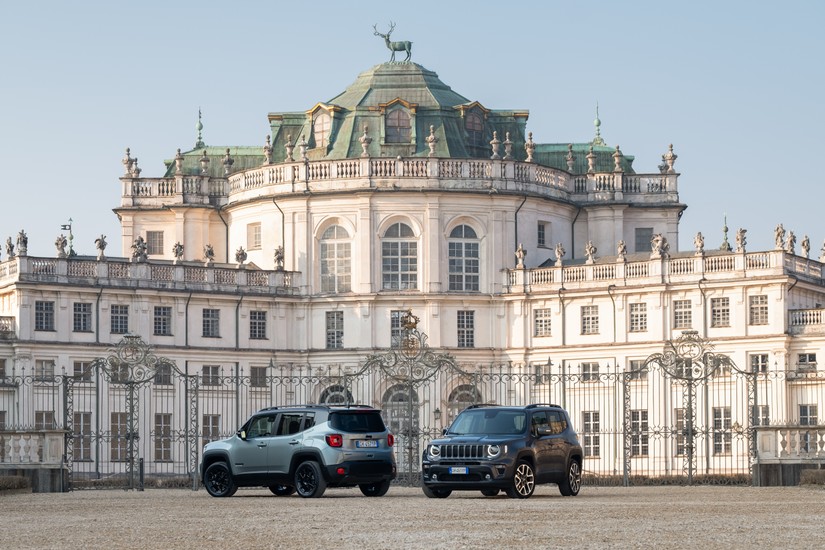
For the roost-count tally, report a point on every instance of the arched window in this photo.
(397, 405)
(335, 256)
(397, 126)
(399, 258)
(460, 398)
(335, 395)
(463, 259)
(320, 129)
(474, 126)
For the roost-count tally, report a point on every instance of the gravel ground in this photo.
(600, 517)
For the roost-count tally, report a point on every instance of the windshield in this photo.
(488, 421)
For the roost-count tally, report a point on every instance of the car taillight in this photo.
(390, 440)
(335, 440)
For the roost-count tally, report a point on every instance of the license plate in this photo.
(366, 443)
(458, 469)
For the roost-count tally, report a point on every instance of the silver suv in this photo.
(304, 448)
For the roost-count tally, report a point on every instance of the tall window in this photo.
(761, 415)
(759, 362)
(720, 312)
(682, 314)
(590, 372)
(465, 323)
(119, 319)
(336, 266)
(82, 371)
(257, 377)
(639, 437)
(638, 370)
(590, 319)
(806, 362)
(399, 258)
(542, 234)
(398, 129)
(721, 431)
(82, 319)
(211, 375)
(257, 325)
(396, 330)
(82, 440)
(211, 428)
(463, 259)
(163, 321)
(638, 317)
(460, 398)
(2, 420)
(335, 329)
(119, 443)
(591, 441)
(643, 236)
(474, 126)
(43, 315)
(541, 322)
(163, 437)
(163, 375)
(320, 129)
(44, 369)
(681, 441)
(154, 242)
(211, 323)
(807, 417)
(44, 420)
(758, 310)
(253, 236)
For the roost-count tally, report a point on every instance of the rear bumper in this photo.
(360, 471)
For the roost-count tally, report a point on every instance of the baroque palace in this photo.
(300, 269)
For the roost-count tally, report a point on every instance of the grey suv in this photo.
(303, 448)
(490, 448)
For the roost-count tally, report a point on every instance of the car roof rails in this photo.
(480, 405)
(534, 405)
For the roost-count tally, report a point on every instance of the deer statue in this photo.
(394, 46)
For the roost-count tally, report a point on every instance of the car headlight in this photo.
(495, 450)
(434, 452)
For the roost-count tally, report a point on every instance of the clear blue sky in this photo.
(738, 88)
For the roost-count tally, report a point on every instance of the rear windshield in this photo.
(357, 421)
(489, 421)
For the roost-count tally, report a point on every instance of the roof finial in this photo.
(199, 126)
(597, 123)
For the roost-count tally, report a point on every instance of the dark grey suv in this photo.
(303, 448)
(492, 448)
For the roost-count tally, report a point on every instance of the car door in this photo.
(542, 444)
(557, 444)
(251, 458)
(287, 441)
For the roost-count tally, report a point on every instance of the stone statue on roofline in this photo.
(741, 240)
(279, 258)
(822, 253)
(100, 245)
(520, 254)
(590, 252)
(621, 251)
(806, 246)
(659, 247)
(790, 244)
(9, 248)
(60, 244)
(177, 252)
(699, 244)
(139, 250)
(560, 251)
(779, 237)
(22, 243)
(240, 255)
(208, 254)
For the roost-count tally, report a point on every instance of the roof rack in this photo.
(318, 406)
(479, 405)
(534, 405)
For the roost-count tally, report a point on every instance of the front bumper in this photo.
(448, 475)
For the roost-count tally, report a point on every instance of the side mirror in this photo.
(544, 430)
(242, 434)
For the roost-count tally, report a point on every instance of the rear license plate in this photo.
(366, 443)
(458, 469)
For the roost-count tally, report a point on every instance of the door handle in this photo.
(261, 445)
(294, 442)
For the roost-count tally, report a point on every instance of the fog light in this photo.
(487, 477)
(435, 477)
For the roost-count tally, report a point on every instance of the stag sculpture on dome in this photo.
(403, 46)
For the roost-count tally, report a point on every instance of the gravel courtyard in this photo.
(600, 517)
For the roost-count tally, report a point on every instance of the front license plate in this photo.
(458, 469)
(366, 443)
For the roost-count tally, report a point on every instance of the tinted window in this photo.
(489, 421)
(261, 426)
(357, 421)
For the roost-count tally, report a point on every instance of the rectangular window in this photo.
(541, 322)
(679, 432)
(120, 319)
(466, 329)
(163, 437)
(253, 236)
(590, 372)
(211, 428)
(721, 431)
(118, 437)
(163, 375)
(638, 433)
(163, 321)
(154, 242)
(758, 310)
(638, 317)
(257, 325)
(211, 323)
(590, 319)
(335, 329)
(807, 417)
(761, 415)
(211, 375)
(2, 420)
(643, 237)
(543, 234)
(396, 330)
(257, 377)
(591, 441)
(43, 315)
(82, 440)
(806, 362)
(44, 369)
(759, 362)
(83, 371)
(682, 314)
(44, 420)
(82, 317)
(720, 312)
(638, 370)
(3, 373)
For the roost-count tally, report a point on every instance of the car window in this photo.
(537, 421)
(357, 421)
(289, 424)
(309, 420)
(261, 426)
(557, 422)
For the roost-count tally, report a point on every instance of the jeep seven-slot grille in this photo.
(464, 452)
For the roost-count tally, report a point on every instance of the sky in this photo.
(737, 87)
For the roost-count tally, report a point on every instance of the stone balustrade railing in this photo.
(31, 449)
(806, 321)
(481, 174)
(790, 443)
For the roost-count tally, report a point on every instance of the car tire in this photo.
(378, 489)
(282, 490)
(524, 481)
(218, 480)
(490, 492)
(570, 485)
(309, 481)
(435, 493)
